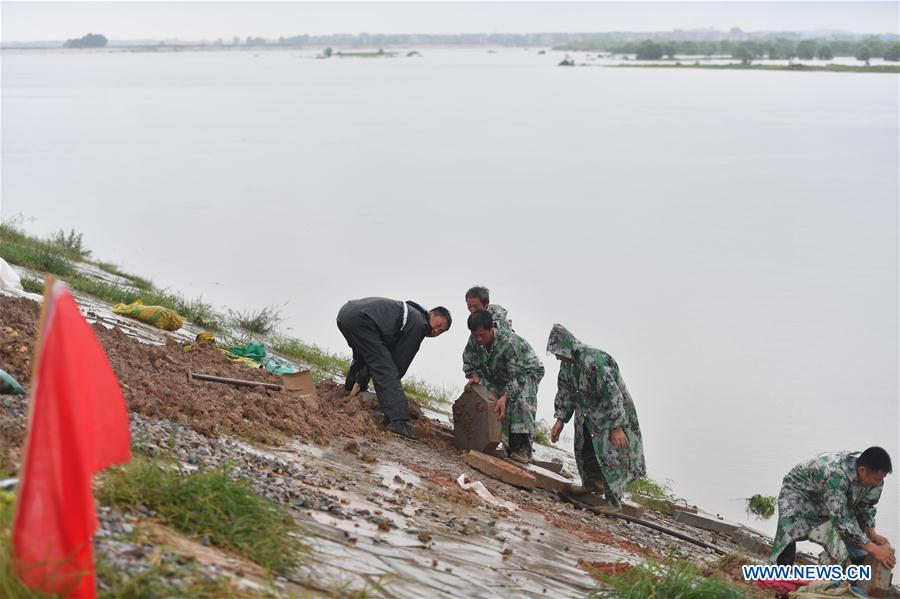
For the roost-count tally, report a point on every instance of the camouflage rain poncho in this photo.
(511, 368)
(470, 353)
(821, 497)
(591, 388)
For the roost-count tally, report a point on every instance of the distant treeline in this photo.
(780, 48)
(88, 41)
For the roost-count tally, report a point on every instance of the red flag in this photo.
(78, 425)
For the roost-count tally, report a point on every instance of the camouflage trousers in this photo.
(520, 410)
(600, 461)
(796, 525)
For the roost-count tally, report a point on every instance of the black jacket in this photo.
(386, 315)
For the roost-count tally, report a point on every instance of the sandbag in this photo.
(159, 316)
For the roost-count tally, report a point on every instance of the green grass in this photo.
(542, 432)
(260, 322)
(231, 515)
(18, 248)
(761, 506)
(426, 394)
(669, 580)
(653, 495)
(70, 244)
(32, 285)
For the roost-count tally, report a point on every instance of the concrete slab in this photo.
(503, 471)
(753, 543)
(546, 479)
(551, 466)
(475, 425)
(698, 521)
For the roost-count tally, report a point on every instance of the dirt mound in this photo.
(155, 383)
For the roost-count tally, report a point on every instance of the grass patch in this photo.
(668, 580)
(426, 394)
(32, 285)
(261, 322)
(209, 503)
(542, 432)
(653, 495)
(18, 248)
(70, 244)
(761, 506)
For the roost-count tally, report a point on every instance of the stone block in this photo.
(475, 424)
(501, 470)
(880, 583)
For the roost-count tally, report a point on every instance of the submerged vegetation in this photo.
(772, 49)
(761, 506)
(747, 66)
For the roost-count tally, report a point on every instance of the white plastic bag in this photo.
(482, 492)
(11, 284)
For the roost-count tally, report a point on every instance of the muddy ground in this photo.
(377, 511)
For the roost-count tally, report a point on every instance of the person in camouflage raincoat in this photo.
(833, 493)
(507, 365)
(609, 450)
(479, 298)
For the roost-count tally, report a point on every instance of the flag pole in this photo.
(35, 359)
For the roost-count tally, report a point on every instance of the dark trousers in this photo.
(592, 469)
(789, 554)
(519, 442)
(372, 358)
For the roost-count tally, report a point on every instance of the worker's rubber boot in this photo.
(401, 428)
(584, 488)
(523, 456)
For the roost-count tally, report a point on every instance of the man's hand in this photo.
(877, 538)
(501, 408)
(883, 553)
(355, 390)
(618, 438)
(556, 430)
(472, 381)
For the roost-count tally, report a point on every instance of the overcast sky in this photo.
(34, 20)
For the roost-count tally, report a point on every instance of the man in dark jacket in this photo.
(385, 335)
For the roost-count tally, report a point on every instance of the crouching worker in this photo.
(830, 500)
(385, 335)
(609, 450)
(507, 365)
